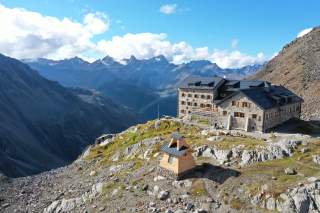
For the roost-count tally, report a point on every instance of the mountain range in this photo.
(44, 125)
(297, 67)
(139, 85)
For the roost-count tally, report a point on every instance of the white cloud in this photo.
(96, 23)
(168, 9)
(148, 45)
(304, 32)
(27, 34)
(234, 43)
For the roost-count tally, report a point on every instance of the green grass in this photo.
(198, 188)
(236, 203)
(200, 120)
(228, 142)
(147, 130)
(301, 162)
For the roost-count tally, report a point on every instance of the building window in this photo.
(196, 96)
(189, 104)
(170, 159)
(245, 104)
(189, 112)
(239, 114)
(183, 103)
(195, 104)
(201, 105)
(254, 116)
(224, 113)
(183, 95)
(189, 95)
(259, 118)
(183, 111)
(208, 96)
(233, 103)
(203, 96)
(208, 105)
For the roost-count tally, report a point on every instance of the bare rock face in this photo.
(301, 199)
(297, 67)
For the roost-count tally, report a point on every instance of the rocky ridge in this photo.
(297, 67)
(121, 174)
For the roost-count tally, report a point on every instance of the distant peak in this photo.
(202, 63)
(108, 58)
(133, 58)
(160, 58)
(77, 59)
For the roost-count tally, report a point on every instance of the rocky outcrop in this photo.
(64, 205)
(245, 157)
(301, 199)
(297, 67)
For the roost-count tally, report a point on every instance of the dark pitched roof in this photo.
(201, 82)
(267, 97)
(233, 85)
(173, 150)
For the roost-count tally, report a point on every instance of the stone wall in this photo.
(252, 111)
(226, 116)
(187, 104)
(278, 115)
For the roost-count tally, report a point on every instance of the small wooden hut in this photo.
(177, 155)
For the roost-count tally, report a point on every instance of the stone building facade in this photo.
(231, 104)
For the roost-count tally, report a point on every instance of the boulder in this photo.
(64, 205)
(189, 206)
(163, 195)
(223, 155)
(205, 132)
(93, 173)
(215, 138)
(97, 188)
(290, 171)
(301, 200)
(52, 207)
(271, 204)
(158, 178)
(285, 204)
(116, 156)
(182, 183)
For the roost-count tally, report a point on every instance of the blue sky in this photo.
(249, 27)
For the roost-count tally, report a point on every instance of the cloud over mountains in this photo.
(28, 34)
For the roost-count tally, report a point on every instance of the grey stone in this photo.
(163, 195)
(271, 204)
(97, 188)
(290, 171)
(189, 206)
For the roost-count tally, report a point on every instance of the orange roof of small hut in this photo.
(177, 145)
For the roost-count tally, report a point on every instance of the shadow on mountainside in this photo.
(215, 173)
